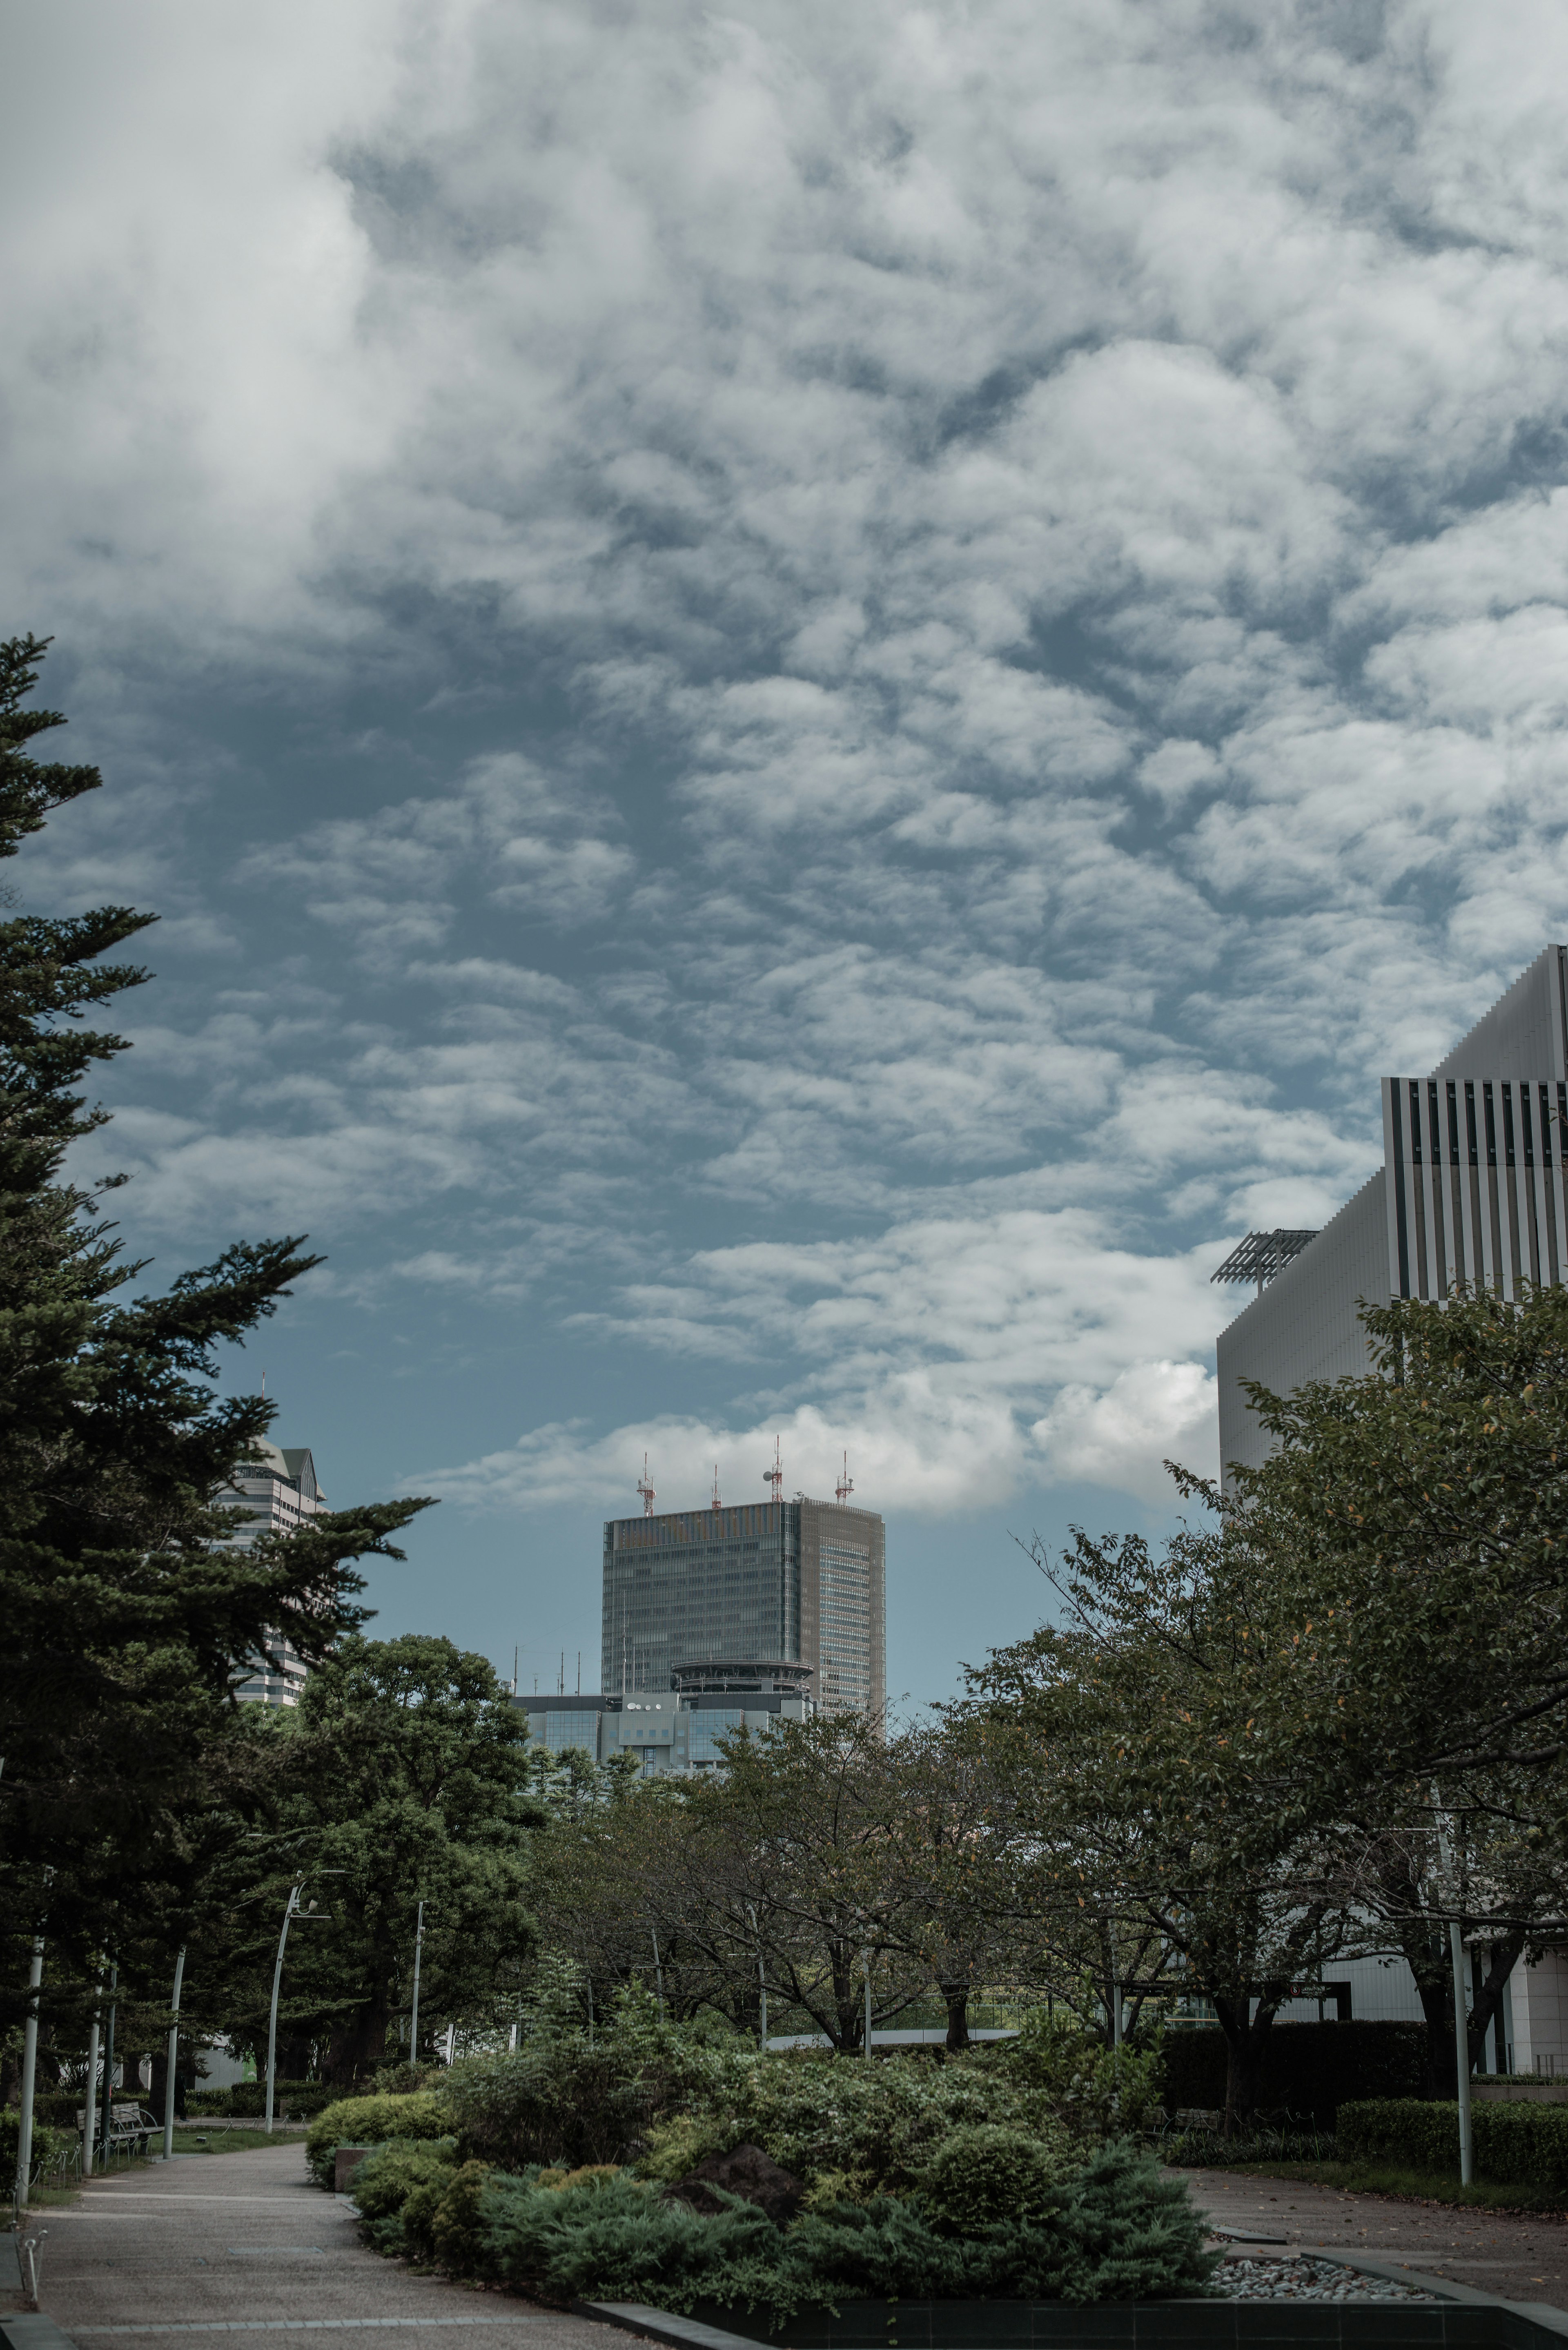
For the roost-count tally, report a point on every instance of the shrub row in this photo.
(247, 2099)
(1311, 2069)
(1515, 2145)
(1115, 2229)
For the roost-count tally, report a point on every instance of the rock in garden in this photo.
(749, 2172)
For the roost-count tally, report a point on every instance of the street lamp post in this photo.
(414, 2017)
(310, 1917)
(173, 2059)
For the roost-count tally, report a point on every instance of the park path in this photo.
(207, 2245)
(1518, 2257)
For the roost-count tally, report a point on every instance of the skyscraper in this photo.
(1471, 1190)
(280, 1493)
(798, 1582)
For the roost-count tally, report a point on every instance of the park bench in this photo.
(129, 2127)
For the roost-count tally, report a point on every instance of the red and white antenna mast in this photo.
(774, 1478)
(846, 1485)
(646, 1489)
(717, 1504)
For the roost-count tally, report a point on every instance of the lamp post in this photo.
(89, 2103)
(173, 2058)
(414, 2018)
(1461, 2019)
(109, 2057)
(30, 2061)
(311, 1917)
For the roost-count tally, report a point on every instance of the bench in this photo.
(128, 2125)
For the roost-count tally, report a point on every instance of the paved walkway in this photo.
(1518, 2259)
(213, 2244)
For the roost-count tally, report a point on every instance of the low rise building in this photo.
(679, 1729)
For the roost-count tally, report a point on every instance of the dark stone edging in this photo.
(1469, 2321)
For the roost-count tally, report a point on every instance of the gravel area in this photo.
(1305, 2279)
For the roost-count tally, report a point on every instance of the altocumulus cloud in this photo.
(933, 631)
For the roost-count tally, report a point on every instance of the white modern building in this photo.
(1470, 1189)
(279, 1492)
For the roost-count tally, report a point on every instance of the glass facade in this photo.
(575, 1729)
(698, 1583)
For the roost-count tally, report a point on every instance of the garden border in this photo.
(1472, 2320)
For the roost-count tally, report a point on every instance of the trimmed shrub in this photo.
(385, 2182)
(367, 2121)
(1524, 2144)
(1308, 2069)
(983, 2176)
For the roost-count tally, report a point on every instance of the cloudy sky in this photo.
(810, 693)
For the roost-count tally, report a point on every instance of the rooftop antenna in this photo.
(579, 1672)
(645, 1490)
(516, 1653)
(717, 1504)
(561, 1684)
(774, 1477)
(846, 1485)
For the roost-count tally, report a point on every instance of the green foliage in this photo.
(1116, 2231)
(570, 2096)
(612, 2238)
(880, 2124)
(985, 2175)
(127, 1613)
(368, 2121)
(459, 2235)
(1522, 2145)
(248, 2098)
(401, 1771)
(385, 2183)
(51, 2145)
(1100, 2093)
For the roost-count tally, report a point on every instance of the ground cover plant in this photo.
(563, 2166)
(1112, 2229)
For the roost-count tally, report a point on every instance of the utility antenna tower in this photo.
(717, 1504)
(774, 1478)
(846, 1485)
(646, 1489)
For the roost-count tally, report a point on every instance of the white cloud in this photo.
(964, 616)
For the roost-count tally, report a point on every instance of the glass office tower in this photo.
(798, 1582)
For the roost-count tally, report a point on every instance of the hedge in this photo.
(369, 2121)
(1524, 2144)
(1310, 2068)
(248, 2098)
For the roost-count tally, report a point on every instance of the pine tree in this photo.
(128, 1614)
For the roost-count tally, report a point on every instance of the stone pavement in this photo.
(1517, 2257)
(209, 2246)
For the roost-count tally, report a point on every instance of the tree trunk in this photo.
(848, 2002)
(957, 1998)
(358, 2045)
(1245, 2043)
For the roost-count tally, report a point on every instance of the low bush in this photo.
(246, 2100)
(1524, 2144)
(367, 2121)
(982, 2176)
(870, 2128)
(385, 2182)
(1113, 2230)
(51, 2147)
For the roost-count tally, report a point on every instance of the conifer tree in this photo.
(128, 1613)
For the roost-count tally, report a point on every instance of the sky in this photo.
(809, 693)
